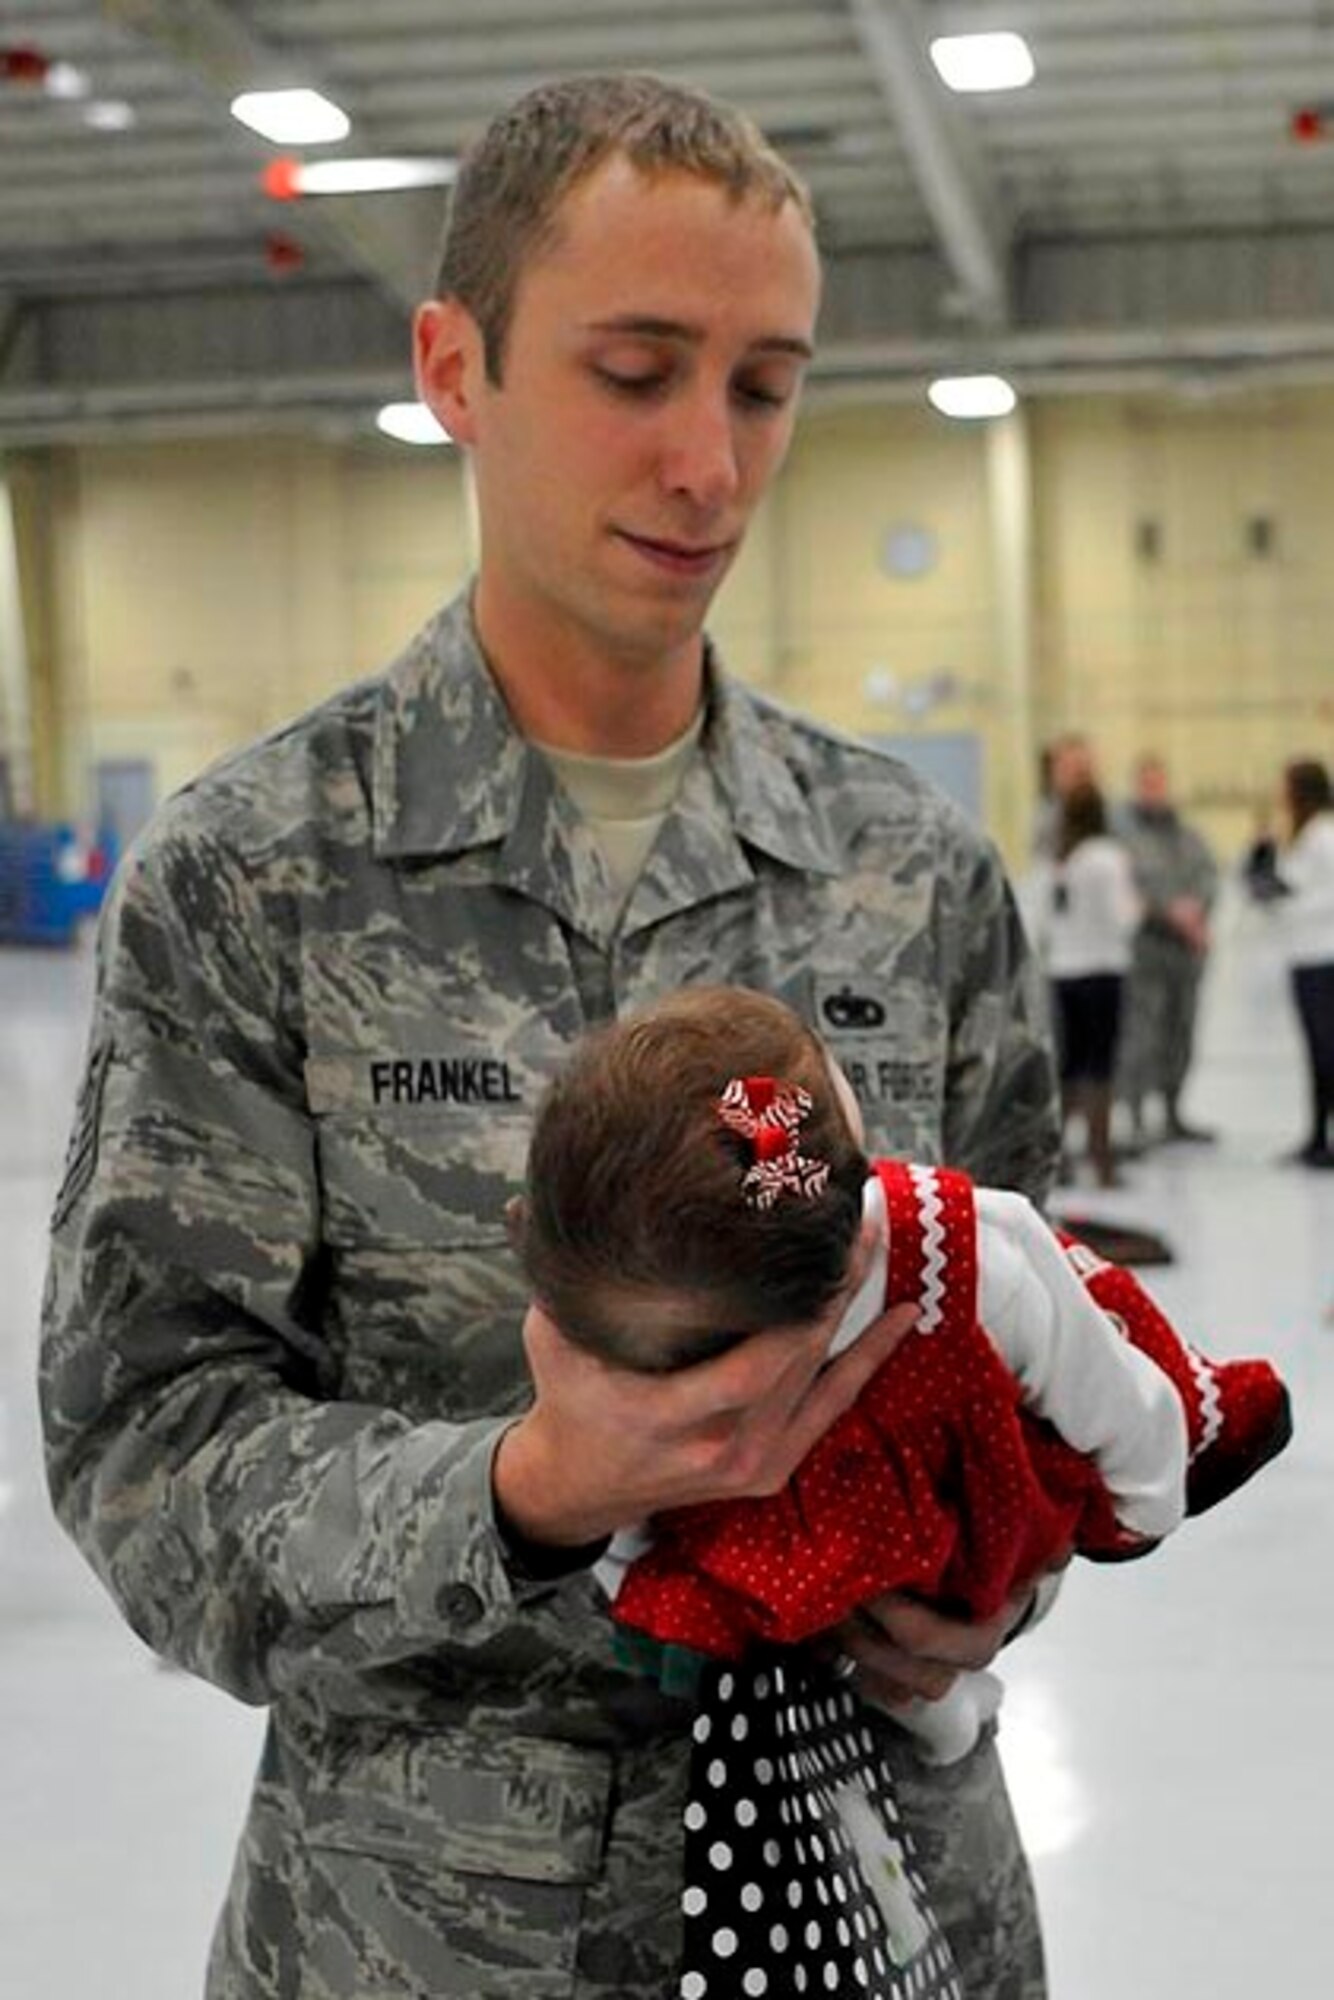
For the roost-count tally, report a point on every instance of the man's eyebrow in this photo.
(650, 328)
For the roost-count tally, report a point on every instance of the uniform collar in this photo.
(451, 771)
(771, 809)
(448, 762)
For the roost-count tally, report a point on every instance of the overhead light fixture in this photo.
(412, 423)
(109, 114)
(65, 81)
(292, 117)
(983, 62)
(287, 179)
(972, 396)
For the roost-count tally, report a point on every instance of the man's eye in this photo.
(758, 396)
(632, 384)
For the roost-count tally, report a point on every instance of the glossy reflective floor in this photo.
(1166, 1731)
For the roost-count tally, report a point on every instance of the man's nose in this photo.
(700, 458)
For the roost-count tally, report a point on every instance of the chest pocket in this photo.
(426, 1298)
(418, 1151)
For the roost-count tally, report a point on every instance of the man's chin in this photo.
(655, 620)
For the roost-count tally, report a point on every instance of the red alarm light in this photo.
(283, 253)
(23, 64)
(281, 179)
(1307, 125)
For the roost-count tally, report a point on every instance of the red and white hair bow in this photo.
(770, 1115)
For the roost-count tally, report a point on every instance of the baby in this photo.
(696, 1173)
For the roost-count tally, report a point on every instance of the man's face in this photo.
(1071, 766)
(1152, 787)
(648, 394)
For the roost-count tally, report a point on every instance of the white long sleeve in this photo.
(1076, 1368)
(1307, 914)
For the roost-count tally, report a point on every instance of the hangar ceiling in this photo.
(1157, 208)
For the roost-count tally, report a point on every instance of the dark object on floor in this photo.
(1179, 1133)
(1118, 1242)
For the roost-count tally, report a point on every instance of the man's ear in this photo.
(449, 361)
(516, 1221)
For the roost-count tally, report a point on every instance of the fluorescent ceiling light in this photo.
(109, 114)
(983, 62)
(972, 396)
(291, 117)
(64, 80)
(288, 179)
(411, 423)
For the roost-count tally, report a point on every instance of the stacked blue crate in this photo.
(51, 879)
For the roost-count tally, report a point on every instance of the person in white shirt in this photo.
(1304, 870)
(1087, 919)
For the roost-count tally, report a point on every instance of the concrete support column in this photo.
(1012, 782)
(16, 747)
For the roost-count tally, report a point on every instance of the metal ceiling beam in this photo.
(1190, 360)
(381, 235)
(1075, 350)
(893, 35)
(341, 403)
(396, 17)
(654, 41)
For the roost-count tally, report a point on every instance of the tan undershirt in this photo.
(624, 800)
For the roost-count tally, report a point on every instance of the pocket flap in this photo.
(525, 1808)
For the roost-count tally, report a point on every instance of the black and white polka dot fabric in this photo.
(799, 1874)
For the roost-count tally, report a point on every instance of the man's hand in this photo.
(1190, 920)
(603, 1447)
(905, 1650)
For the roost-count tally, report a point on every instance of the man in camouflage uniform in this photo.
(298, 1415)
(1177, 877)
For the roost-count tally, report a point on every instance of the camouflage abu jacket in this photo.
(282, 1325)
(1170, 859)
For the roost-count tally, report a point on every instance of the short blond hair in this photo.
(512, 182)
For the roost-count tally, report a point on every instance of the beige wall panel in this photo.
(1216, 656)
(862, 648)
(185, 557)
(745, 618)
(853, 476)
(407, 543)
(204, 593)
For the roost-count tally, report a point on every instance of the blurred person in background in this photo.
(1177, 878)
(1065, 765)
(1304, 872)
(1092, 911)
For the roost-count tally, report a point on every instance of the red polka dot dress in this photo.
(970, 1460)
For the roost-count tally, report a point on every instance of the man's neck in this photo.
(566, 692)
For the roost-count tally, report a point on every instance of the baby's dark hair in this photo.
(635, 1232)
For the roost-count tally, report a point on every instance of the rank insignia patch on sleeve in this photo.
(81, 1157)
